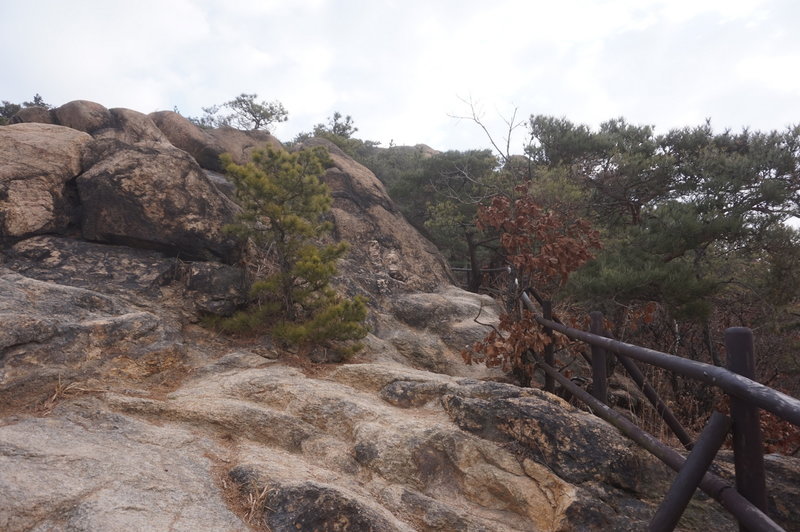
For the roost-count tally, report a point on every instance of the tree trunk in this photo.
(475, 276)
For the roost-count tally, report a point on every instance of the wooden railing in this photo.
(747, 502)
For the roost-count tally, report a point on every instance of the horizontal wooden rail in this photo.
(746, 512)
(778, 403)
(661, 408)
(482, 270)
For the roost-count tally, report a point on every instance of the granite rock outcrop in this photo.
(118, 411)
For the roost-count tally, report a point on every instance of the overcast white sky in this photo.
(402, 68)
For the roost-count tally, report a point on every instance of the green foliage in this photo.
(243, 112)
(284, 205)
(682, 214)
(8, 109)
(439, 194)
(336, 126)
(340, 131)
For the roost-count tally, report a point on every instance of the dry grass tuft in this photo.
(256, 502)
(63, 391)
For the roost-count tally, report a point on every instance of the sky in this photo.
(406, 70)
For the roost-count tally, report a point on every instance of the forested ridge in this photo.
(673, 236)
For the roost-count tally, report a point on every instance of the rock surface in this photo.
(37, 164)
(105, 471)
(159, 199)
(388, 256)
(206, 145)
(249, 443)
(115, 175)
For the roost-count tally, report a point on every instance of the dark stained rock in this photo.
(609, 470)
(783, 492)
(387, 255)
(53, 331)
(132, 127)
(212, 287)
(101, 267)
(216, 288)
(783, 485)
(407, 394)
(190, 138)
(154, 198)
(570, 442)
(311, 506)
(87, 310)
(429, 514)
(222, 183)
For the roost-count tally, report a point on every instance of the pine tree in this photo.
(284, 204)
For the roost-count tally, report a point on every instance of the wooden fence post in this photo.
(748, 447)
(549, 358)
(688, 479)
(599, 377)
(663, 410)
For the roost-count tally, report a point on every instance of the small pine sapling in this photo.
(283, 209)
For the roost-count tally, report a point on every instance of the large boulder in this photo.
(134, 187)
(240, 144)
(206, 145)
(154, 198)
(83, 115)
(126, 125)
(190, 138)
(37, 165)
(34, 113)
(132, 127)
